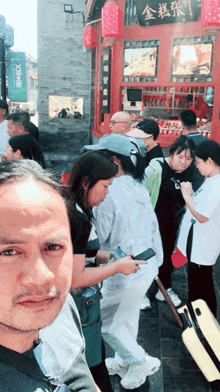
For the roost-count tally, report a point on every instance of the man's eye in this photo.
(54, 247)
(8, 252)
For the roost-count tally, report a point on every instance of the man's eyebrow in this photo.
(8, 241)
(56, 238)
(53, 240)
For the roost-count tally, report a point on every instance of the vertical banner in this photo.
(106, 79)
(16, 70)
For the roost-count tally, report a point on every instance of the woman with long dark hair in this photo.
(88, 182)
(24, 146)
(200, 229)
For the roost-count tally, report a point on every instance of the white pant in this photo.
(120, 314)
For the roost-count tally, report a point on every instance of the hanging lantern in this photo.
(210, 18)
(111, 21)
(89, 37)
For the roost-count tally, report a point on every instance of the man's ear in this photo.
(22, 130)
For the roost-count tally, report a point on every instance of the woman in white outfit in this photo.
(126, 217)
(200, 229)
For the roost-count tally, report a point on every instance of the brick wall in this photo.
(64, 68)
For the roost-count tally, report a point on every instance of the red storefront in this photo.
(154, 66)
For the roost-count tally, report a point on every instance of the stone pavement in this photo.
(160, 336)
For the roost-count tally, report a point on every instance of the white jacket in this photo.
(126, 217)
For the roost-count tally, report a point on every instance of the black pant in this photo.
(168, 231)
(201, 286)
(100, 374)
(200, 278)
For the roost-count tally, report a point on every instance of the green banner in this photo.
(16, 70)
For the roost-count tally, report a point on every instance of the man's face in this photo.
(13, 128)
(117, 124)
(35, 255)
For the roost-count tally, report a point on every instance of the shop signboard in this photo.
(106, 79)
(154, 12)
(16, 70)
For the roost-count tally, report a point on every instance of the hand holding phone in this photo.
(146, 255)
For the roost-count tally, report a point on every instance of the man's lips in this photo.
(36, 302)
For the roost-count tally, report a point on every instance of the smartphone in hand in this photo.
(119, 253)
(147, 254)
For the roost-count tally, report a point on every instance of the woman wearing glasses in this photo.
(163, 177)
(88, 182)
(200, 229)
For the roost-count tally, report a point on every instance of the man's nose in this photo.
(36, 272)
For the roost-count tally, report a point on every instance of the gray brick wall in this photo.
(64, 68)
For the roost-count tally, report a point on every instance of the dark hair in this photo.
(26, 114)
(181, 144)
(28, 146)
(209, 149)
(150, 127)
(188, 119)
(90, 167)
(25, 170)
(136, 171)
(189, 98)
(21, 119)
(4, 105)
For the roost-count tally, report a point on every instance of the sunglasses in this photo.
(48, 363)
(112, 122)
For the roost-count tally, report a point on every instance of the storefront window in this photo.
(65, 107)
(140, 61)
(192, 59)
(130, 12)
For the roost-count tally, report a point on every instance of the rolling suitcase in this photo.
(201, 334)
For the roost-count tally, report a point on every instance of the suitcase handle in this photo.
(169, 302)
(202, 338)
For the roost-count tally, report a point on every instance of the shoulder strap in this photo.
(157, 164)
(135, 144)
(21, 363)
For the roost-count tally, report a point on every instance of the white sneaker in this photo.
(145, 303)
(114, 367)
(176, 300)
(136, 374)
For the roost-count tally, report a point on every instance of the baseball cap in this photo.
(144, 129)
(113, 142)
(3, 105)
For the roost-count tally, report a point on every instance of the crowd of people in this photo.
(72, 278)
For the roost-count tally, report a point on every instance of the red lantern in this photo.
(89, 37)
(111, 20)
(210, 17)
